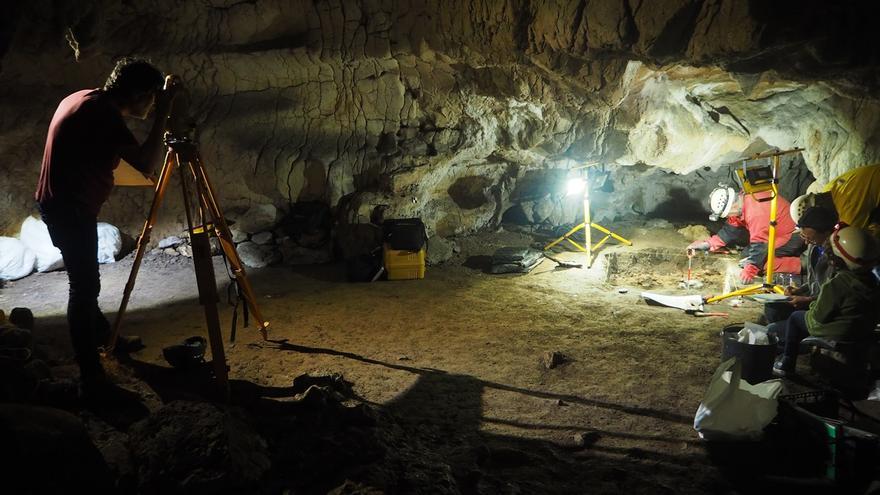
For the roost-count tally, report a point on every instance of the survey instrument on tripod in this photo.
(204, 219)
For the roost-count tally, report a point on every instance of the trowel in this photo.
(701, 313)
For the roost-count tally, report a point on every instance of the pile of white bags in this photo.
(35, 235)
(109, 242)
(33, 250)
(16, 260)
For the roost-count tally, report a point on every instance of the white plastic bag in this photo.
(753, 334)
(35, 235)
(733, 409)
(109, 242)
(16, 260)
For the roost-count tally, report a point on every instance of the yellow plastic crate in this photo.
(404, 265)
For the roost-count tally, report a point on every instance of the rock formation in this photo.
(439, 108)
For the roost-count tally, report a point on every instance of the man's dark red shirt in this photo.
(82, 149)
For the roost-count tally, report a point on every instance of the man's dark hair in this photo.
(133, 76)
(816, 217)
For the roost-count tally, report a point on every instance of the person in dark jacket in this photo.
(816, 226)
(848, 305)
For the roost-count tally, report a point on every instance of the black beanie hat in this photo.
(816, 217)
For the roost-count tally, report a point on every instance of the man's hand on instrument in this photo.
(165, 97)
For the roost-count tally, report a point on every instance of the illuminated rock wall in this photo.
(436, 108)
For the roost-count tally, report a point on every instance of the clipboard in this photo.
(127, 176)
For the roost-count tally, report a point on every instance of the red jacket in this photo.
(755, 217)
(82, 149)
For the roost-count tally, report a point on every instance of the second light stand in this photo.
(587, 225)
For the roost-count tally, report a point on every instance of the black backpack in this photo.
(405, 234)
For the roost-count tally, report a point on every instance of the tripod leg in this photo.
(207, 284)
(225, 238)
(143, 240)
(200, 241)
(564, 237)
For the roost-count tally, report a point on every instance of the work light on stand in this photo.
(579, 185)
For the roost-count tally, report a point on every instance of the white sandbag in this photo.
(16, 260)
(109, 242)
(733, 409)
(35, 235)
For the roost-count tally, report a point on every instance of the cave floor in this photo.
(457, 357)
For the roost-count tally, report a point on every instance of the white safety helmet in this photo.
(721, 200)
(855, 246)
(800, 205)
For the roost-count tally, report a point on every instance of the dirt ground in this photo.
(457, 357)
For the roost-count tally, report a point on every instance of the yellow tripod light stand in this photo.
(581, 185)
(758, 179)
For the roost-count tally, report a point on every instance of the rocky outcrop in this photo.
(438, 108)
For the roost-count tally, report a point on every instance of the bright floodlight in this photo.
(575, 186)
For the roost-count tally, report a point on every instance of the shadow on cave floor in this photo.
(331, 272)
(442, 413)
(480, 263)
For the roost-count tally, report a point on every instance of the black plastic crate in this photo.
(825, 444)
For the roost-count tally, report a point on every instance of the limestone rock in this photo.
(258, 218)
(694, 232)
(197, 447)
(262, 238)
(552, 359)
(439, 250)
(238, 235)
(185, 250)
(257, 256)
(21, 317)
(170, 242)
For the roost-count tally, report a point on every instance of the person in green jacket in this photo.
(848, 305)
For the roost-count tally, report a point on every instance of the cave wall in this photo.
(436, 108)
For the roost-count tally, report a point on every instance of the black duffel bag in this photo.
(405, 234)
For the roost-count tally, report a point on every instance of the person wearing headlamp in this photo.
(748, 224)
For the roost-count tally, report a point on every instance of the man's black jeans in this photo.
(75, 232)
(795, 332)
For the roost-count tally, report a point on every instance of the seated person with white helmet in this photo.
(748, 224)
(854, 196)
(848, 305)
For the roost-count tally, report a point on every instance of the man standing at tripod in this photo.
(86, 139)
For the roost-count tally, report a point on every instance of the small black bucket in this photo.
(757, 360)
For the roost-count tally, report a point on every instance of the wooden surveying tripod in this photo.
(204, 219)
